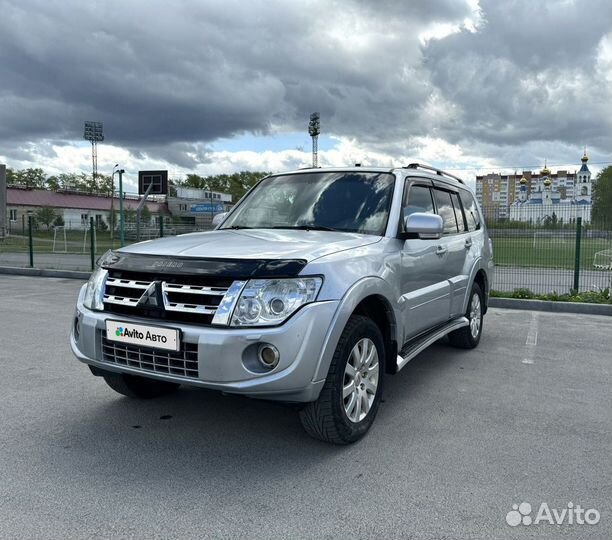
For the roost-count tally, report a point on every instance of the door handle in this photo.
(468, 243)
(441, 250)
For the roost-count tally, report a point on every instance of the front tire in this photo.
(133, 386)
(349, 400)
(468, 337)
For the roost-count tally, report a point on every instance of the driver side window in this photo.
(418, 200)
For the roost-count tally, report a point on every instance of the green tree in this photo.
(602, 198)
(46, 215)
(32, 178)
(53, 183)
(236, 184)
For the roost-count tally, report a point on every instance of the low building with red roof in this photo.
(75, 208)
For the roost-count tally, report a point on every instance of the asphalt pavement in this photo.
(459, 439)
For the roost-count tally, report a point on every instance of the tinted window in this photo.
(471, 211)
(445, 209)
(343, 201)
(458, 212)
(419, 200)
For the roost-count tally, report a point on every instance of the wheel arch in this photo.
(369, 296)
(377, 308)
(478, 275)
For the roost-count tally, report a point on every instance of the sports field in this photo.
(546, 252)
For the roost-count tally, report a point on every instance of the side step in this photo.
(412, 348)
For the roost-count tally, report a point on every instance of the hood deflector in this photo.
(222, 268)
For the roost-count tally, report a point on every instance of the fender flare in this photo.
(360, 290)
(476, 267)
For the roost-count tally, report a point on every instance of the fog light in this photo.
(268, 355)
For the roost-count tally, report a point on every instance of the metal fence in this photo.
(544, 252)
(34, 245)
(551, 250)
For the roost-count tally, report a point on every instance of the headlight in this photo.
(94, 293)
(270, 301)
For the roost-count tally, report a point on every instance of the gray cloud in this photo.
(170, 78)
(528, 74)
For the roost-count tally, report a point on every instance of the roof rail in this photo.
(439, 172)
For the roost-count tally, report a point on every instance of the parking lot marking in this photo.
(532, 338)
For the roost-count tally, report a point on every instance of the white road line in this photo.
(532, 338)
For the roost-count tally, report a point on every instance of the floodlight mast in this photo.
(94, 133)
(314, 130)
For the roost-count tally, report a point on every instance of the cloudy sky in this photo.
(212, 86)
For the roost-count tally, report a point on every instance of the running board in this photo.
(410, 350)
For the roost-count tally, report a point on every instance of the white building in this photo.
(545, 201)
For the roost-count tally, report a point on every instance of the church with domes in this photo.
(545, 201)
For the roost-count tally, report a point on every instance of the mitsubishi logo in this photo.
(149, 297)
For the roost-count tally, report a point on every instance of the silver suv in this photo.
(317, 284)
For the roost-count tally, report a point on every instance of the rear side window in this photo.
(419, 200)
(446, 211)
(471, 210)
(458, 212)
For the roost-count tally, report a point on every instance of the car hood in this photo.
(253, 244)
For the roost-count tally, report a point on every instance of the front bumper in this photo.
(221, 352)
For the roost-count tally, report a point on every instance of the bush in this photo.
(589, 297)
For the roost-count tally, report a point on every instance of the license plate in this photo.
(157, 337)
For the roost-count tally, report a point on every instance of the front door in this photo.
(426, 292)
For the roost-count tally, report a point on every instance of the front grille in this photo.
(191, 299)
(183, 363)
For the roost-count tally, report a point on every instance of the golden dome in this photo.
(545, 171)
(584, 157)
(523, 180)
(547, 182)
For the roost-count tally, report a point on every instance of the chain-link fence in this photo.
(550, 249)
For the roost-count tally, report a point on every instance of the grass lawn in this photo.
(75, 242)
(546, 252)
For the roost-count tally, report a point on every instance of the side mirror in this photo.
(218, 218)
(424, 226)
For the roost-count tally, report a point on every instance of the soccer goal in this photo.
(602, 260)
(544, 239)
(59, 240)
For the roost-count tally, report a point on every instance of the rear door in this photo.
(425, 300)
(457, 243)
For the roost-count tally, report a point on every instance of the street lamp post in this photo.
(112, 207)
(121, 221)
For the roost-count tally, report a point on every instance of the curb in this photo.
(44, 272)
(550, 306)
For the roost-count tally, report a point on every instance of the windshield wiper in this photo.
(305, 227)
(235, 227)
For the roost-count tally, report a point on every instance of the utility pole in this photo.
(314, 130)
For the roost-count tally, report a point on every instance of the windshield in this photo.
(340, 201)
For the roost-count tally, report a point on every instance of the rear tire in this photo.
(349, 400)
(468, 337)
(133, 386)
